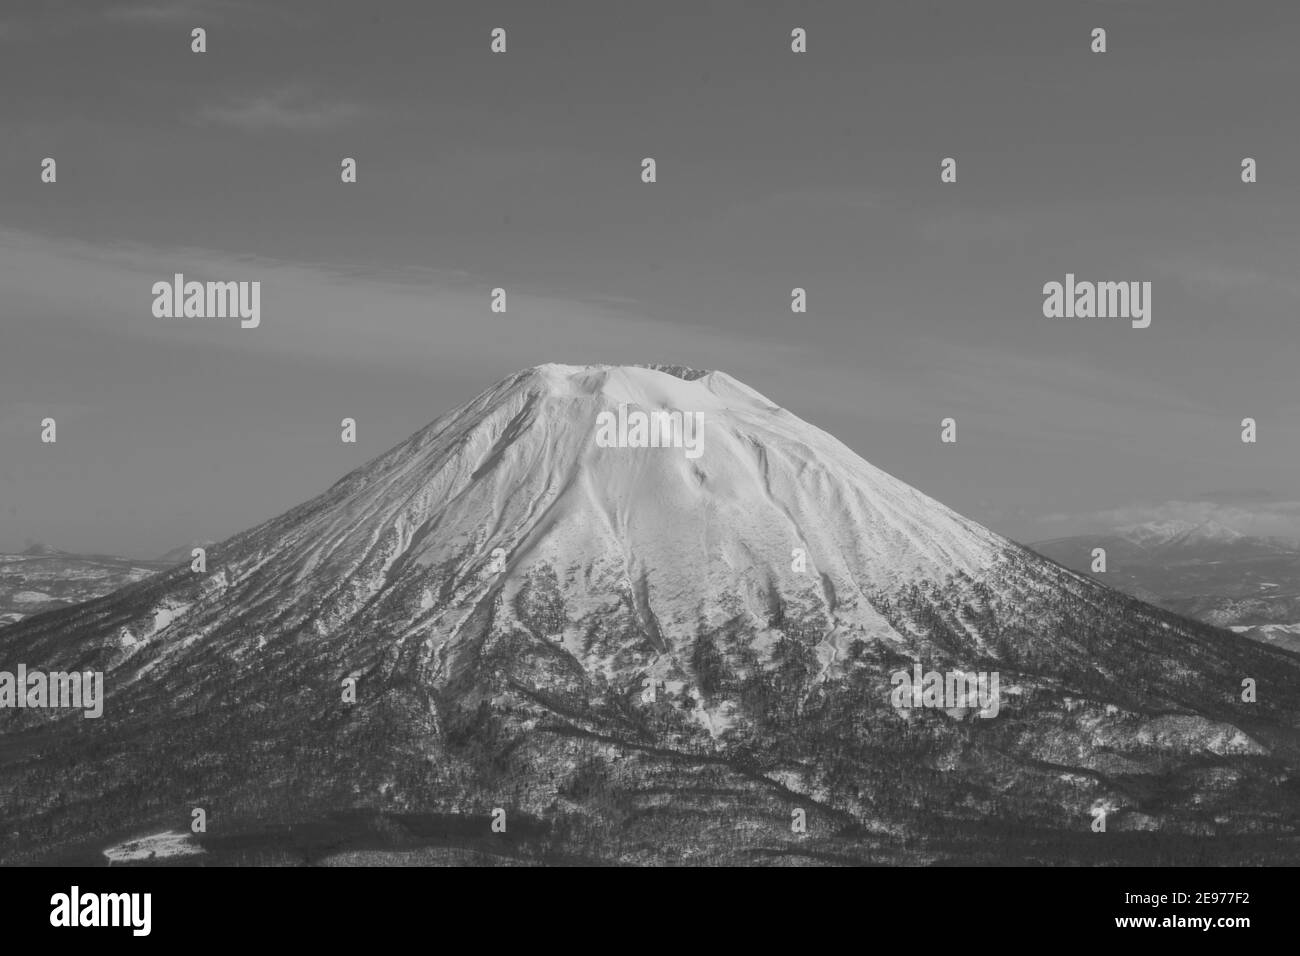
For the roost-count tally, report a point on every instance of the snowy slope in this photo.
(407, 542)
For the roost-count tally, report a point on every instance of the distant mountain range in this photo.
(1205, 571)
(43, 579)
(632, 654)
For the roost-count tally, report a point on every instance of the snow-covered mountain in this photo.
(516, 478)
(1176, 532)
(644, 654)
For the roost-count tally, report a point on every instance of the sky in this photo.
(774, 170)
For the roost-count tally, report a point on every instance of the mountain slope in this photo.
(624, 648)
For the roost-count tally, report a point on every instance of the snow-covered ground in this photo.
(159, 846)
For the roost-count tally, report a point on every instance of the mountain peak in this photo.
(684, 372)
(39, 549)
(656, 386)
(680, 371)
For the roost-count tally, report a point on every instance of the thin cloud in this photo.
(167, 12)
(1222, 279)
(964, 228)
(417, 318)
(159, 12)
(291, 109)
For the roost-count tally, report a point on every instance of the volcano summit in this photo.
(642, 656)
